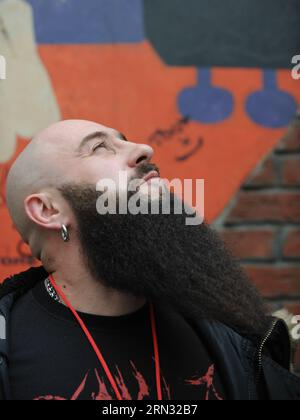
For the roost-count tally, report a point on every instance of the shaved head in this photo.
(32, 171)
(43, 164)
(66, 153)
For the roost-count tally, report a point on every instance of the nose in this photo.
(141, 153)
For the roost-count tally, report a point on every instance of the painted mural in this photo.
(207, 83)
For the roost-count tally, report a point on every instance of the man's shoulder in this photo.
(21, 282)
(223, 334)
(229, 345)
(263, 359)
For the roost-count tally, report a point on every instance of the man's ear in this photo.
(42, 211)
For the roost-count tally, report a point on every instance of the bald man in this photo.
(126, 306)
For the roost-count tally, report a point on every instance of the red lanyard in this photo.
(99, 354)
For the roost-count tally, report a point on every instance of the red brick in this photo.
(264, 175)
(275, 281)
(291, 171)
(291, 142)
(247, 244)
(292, 245)
(275, 207)
(293, 308)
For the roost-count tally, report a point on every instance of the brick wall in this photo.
(262, 225)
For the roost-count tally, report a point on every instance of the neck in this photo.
(88, 295)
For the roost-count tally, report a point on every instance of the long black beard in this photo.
(161, 258)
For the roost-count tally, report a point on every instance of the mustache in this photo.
(145, 168)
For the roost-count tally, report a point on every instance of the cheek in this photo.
(110, 176)
(103, 169)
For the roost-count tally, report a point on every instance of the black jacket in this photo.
(251, 368)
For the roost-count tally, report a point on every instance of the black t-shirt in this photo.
(51, 358)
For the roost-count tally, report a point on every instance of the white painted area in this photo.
(2, 328)
(2, 67)
(27, 99)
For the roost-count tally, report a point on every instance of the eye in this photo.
(99, 145)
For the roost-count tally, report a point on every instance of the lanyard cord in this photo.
(96, 348)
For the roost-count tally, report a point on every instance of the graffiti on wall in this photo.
(208, 85)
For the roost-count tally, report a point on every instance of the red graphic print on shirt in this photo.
(102, 393)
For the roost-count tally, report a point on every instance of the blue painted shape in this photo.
(271, 107)
(88, 21)
(205, 103)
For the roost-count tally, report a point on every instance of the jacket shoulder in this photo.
(230, 352)
(239, 355)
(21, 282)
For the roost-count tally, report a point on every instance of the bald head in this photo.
(43, 164)
(33, 170)
(69, 153)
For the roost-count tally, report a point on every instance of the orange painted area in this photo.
(129, 88)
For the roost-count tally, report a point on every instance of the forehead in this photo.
(70, 135)
(60, 145)
(87, 130)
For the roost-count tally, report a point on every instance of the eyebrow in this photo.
(98, 135)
